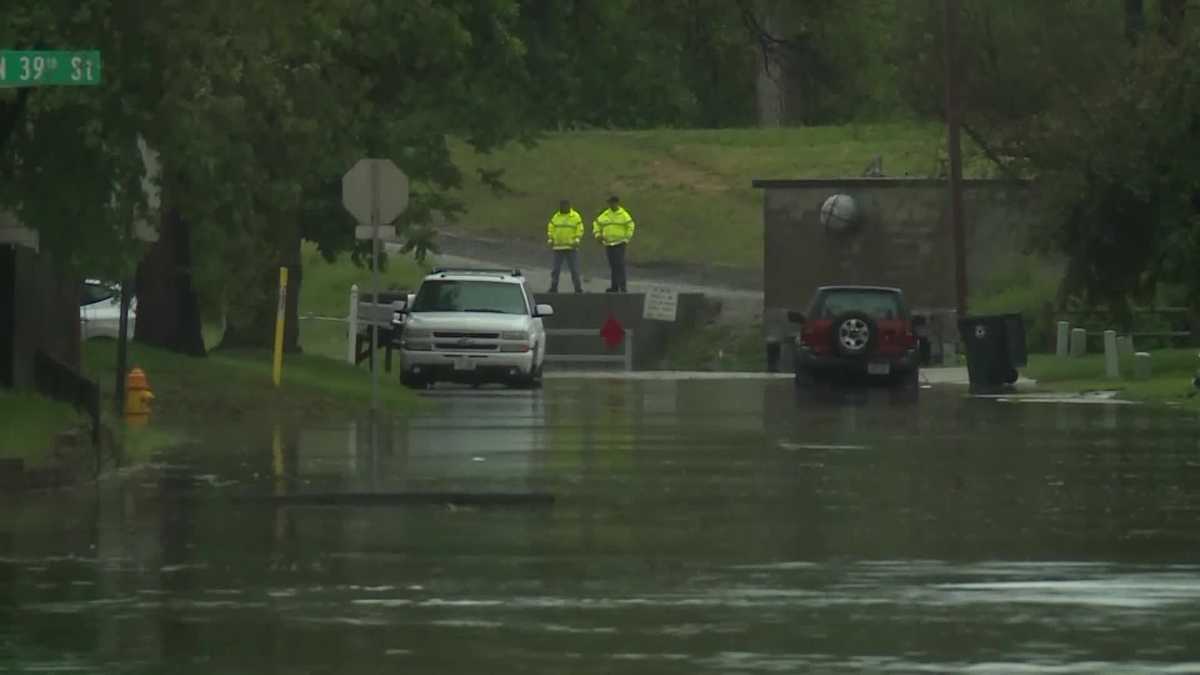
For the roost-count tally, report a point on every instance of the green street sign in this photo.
(46, 69)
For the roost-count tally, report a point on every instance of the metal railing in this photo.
(625, 357)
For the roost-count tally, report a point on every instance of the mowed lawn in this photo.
(1171, 379)
(689, 190)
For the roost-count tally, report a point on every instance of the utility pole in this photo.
(953, 120)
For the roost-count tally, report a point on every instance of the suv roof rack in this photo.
(510, 271)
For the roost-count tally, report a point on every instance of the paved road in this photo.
(698, 526)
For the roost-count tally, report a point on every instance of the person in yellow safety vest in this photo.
(563, 234)
(614, 228)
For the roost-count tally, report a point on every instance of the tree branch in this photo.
(989, 152)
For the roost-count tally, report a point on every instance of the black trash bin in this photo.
(995, 346)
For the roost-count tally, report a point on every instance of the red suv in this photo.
(857, 330)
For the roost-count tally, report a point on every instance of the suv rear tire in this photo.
(854, 334)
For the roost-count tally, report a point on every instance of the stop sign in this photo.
(375, 191)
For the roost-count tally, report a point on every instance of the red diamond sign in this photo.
(612, 332)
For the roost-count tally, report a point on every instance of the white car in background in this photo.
(100, 311)
(473, 326)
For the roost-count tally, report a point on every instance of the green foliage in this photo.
(638, 63)
(1028, 288)
(28, 425)
(1100, 107)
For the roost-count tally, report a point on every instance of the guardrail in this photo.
(625, 358)
(1175, 323)
(59, 381)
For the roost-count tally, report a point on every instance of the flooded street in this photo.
(608, 526)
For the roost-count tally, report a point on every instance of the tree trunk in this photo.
(251, 321)
(771, 75)
(168, 311)
(1135, 20)
(1170, 19)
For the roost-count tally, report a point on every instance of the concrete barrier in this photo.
(1063, 345)
(581, 313)
(1112, 364)
(1141, 366)
(1078, 342)
(1125, 346)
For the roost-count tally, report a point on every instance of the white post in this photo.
(374, 296)
(1112, 367)
(352, 327)
(1141, 366)
(1078, 342)
(1063, 346)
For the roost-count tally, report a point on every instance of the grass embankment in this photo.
(229, 386)
(689, 190)
(1170, 381)
(29, 424)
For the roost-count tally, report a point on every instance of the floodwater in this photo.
(696, 527)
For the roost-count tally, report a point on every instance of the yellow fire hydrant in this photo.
(137, 398)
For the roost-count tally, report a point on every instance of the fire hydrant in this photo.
(137, 398)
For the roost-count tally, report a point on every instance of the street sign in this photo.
(375, 192)
(371, 184)
(49, 68)
(366, 232)
(662, 304)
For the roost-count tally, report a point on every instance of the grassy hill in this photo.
(689, 190)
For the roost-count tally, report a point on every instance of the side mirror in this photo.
(544, 310)
(795, 317)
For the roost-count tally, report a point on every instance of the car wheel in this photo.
(804, 378)
(414, 382)
(854, 334)
(910, 379)
(907, 387)
(1011, 376)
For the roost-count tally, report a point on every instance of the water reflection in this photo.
(699, 527)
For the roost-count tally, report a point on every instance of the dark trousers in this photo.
(572, 258)
(616, 264)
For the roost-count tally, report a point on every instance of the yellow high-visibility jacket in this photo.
(613, 227)
(565, 230)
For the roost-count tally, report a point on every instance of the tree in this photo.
(1099, 111)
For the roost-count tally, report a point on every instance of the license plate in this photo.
(464, 364)
(879, 368)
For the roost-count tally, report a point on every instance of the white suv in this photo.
(474, 326)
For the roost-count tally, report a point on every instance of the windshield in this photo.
(879, 305)
(93, 293)
(470, 296)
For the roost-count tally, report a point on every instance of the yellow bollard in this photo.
(277, 371)
(137, 398)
